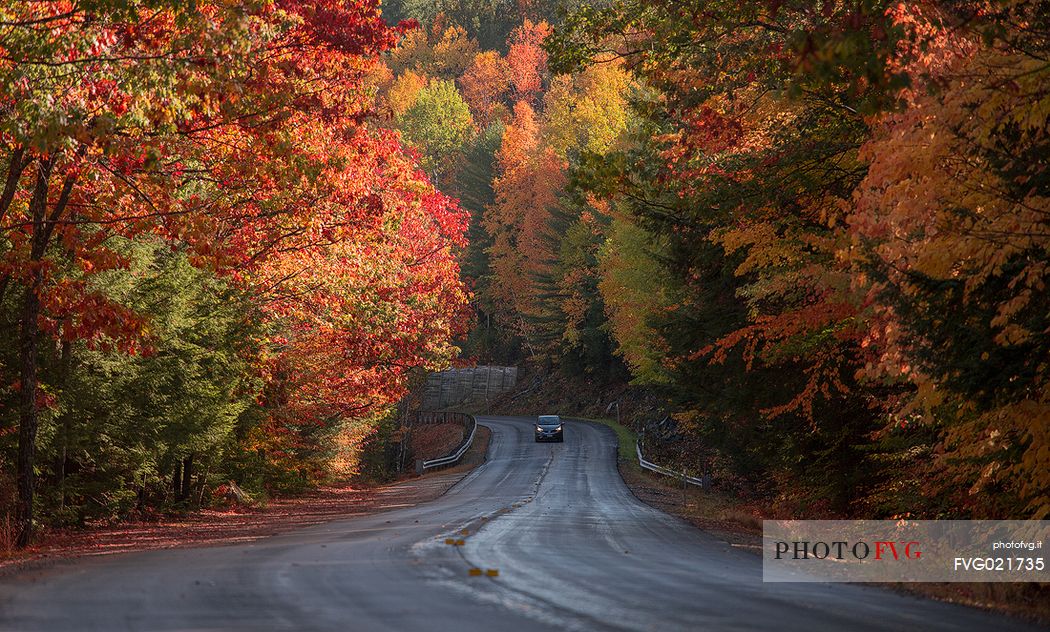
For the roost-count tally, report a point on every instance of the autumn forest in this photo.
(233, 236)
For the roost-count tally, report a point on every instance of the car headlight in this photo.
(538, 429)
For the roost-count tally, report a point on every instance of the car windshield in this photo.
(550, 420)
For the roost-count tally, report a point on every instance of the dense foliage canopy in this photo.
(210, 259)
(849, 202)
(817, 230)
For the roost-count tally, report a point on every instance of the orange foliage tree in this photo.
(527, 60)
(529, 177)
(484, 85)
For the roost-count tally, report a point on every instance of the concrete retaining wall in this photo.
(476, 384)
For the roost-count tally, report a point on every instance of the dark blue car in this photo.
(548, 428)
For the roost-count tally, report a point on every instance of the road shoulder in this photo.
(740, 525)
(213, 527)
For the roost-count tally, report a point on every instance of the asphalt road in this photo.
(574, 550)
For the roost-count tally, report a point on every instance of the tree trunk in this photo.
(64, 364)
(4, 281)
(176, 481)
(187, 477)
(204, 484)
(141, 503)
(15, 167)
(29, 414)
(28, 356)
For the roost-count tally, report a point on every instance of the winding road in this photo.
(573, 549)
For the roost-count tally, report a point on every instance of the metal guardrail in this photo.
(659, 469)
(457, 454)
